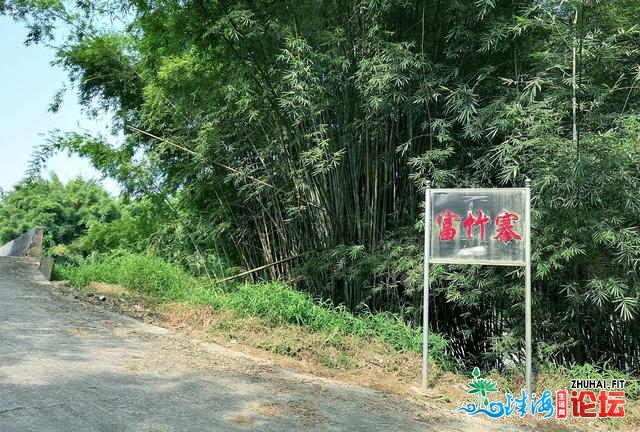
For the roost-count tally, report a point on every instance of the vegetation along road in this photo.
(69, 366)
(272, 159)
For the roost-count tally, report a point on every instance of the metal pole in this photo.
(425, 306)
(527, 287)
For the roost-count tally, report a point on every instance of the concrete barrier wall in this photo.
(28, 244)
(46, 267)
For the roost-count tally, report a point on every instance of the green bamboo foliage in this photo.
(296, 137)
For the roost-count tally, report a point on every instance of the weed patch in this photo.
(273, 303)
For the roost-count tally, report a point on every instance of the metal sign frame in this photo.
(526, 262)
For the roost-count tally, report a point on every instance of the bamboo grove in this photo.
(297, 136)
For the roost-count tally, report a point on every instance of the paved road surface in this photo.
(68, 366)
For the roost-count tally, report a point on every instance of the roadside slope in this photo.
(66, 365)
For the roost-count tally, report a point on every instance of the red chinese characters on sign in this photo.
(472, 221)
(505, 228)
(447, 231)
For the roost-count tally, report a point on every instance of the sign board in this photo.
(478, 226)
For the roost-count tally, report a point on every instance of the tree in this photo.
(298, 136)
(65, 212)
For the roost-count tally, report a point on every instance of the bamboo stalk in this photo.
(258, 268)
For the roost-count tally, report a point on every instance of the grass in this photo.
(274, 303)
(278, 306)
(378, 350)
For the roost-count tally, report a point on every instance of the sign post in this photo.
(425, 306)
(478, 226)
(527, 288)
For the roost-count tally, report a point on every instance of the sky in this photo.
(28, 83)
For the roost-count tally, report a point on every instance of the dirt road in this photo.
(68, 366)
